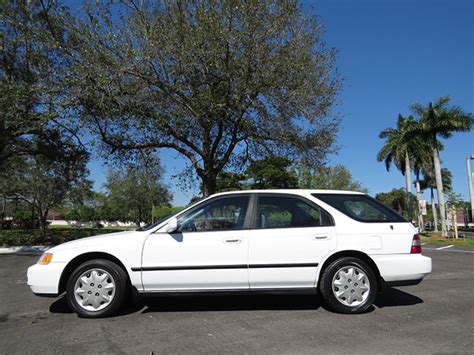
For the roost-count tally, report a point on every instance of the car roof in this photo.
(290, 191)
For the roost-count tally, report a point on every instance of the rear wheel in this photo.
(97, 288)
(348, 285)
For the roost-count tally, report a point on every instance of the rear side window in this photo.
(289, 212)
(362, 208)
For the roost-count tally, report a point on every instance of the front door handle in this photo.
(320, 237)
(233, 241)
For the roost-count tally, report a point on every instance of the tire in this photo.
(97, 288)
(348, 285)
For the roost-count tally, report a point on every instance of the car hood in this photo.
(96, 240)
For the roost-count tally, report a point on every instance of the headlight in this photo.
(45, 259)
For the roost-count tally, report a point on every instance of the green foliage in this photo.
(162, 212)
(133, 192)
(401, 145)
(83, 213)
(271, 172)
(22, 214)
(195, 199)
(31, 73)
(398, 200)
(229, 181)
(277, 172)
(437, 119)
(456, 200)
(429, 181)
(337, 177)
(53, 236)
(41, 156)
(209, 79)
(44, 182)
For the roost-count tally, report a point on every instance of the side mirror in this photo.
(171, 226)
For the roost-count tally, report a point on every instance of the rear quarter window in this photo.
(362, 208)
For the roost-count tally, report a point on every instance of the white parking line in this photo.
(450, 250)
(461, 251)
(423, 243)
(446, 247)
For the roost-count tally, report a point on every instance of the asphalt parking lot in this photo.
(436, 316)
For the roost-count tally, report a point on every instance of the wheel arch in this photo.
(354, 254)
(78, 260)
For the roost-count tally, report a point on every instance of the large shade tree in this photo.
(31, 70)
(337, 177)
(215, 81)
(439, 120)
(46, 181)
(271, 173)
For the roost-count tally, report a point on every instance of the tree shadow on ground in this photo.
(215, 302)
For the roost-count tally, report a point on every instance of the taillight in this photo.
(415, 245)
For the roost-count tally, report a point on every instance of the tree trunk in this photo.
(408, 182)
(435, 212)
(421, 224)
(44, 221)
(139, 218)
(4, 205)
(33, 217)
(439, 188)
(209, 185)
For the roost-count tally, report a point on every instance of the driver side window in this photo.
(223, 214)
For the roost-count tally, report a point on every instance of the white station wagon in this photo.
(345, 245)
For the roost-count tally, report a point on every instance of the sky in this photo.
(392, 53)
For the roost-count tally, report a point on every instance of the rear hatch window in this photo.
(362, 208)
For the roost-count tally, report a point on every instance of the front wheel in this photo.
(348, 285)
(97, 288)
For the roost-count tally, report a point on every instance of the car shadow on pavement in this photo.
(238, 302)
(210, 302)
(390, 297)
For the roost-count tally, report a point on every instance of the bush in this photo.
(50, 237)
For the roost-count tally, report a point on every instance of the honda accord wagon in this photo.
(344, 245)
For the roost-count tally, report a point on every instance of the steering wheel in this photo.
(191, 226)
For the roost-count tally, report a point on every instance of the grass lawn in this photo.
(435, 238)
(53, 236)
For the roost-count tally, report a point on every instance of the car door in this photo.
(208, 251)
(291, 237)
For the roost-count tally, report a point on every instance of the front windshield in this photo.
(154, 224)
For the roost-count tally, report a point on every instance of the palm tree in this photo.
(440, 120)
(429, 182)
(421, 163)
(400, 148)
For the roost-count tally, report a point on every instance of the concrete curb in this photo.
(26, 250)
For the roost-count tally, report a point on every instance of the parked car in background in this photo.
(344, 245)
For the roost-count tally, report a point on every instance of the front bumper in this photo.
(44, 279)
(402, 268)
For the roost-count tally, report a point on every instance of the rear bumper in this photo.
(44, 279)
(402, 269)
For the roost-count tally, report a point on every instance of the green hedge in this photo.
(53, 236)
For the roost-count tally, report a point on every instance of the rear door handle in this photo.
(232, 241)
(320, 237)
